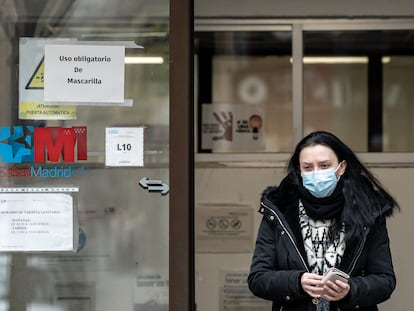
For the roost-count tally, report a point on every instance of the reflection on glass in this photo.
(253, 72)
(357, 85)
(262, 81)
(398, 104)
(335, 100)
(122, 258)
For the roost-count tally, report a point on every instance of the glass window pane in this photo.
(335, 99)
(357, 85)
(398, 115)
(120, 256)
(244, 74)
(335, 86)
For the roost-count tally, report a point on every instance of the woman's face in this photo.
(320, 157)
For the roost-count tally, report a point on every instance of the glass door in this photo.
(95, 231)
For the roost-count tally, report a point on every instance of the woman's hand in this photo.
(311, 284)
(334, 291)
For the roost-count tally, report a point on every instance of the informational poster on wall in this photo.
(36, 222)
(231, 127)
(151, 292)
(235, 295)
(31, 83)
(224, 228)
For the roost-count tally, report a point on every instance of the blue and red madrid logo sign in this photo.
(29, 144)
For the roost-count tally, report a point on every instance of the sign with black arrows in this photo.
(153, 185)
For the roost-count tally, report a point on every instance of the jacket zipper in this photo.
(353, 264)
(288, 233)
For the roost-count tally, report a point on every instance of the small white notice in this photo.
(150, 291)
(235, 294)
(124, 146)
(224, 228)
(84, 73)
(36, 222)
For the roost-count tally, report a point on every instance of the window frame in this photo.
(298, 27)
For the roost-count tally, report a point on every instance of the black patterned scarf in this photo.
(323, 208)
(322, 252)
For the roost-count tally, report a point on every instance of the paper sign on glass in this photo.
(233, 127)
(124, 146)
(31, 83)
(36, 222)
(84, 73)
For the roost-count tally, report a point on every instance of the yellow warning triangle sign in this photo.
(37, 79)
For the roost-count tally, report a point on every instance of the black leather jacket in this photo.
(279, 261)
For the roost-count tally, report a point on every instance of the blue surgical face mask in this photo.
(320, 183)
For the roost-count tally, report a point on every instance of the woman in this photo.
(329, 211)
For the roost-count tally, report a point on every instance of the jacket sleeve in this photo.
(269, 277)
(375, 280)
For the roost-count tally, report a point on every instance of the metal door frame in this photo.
(181, 232)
